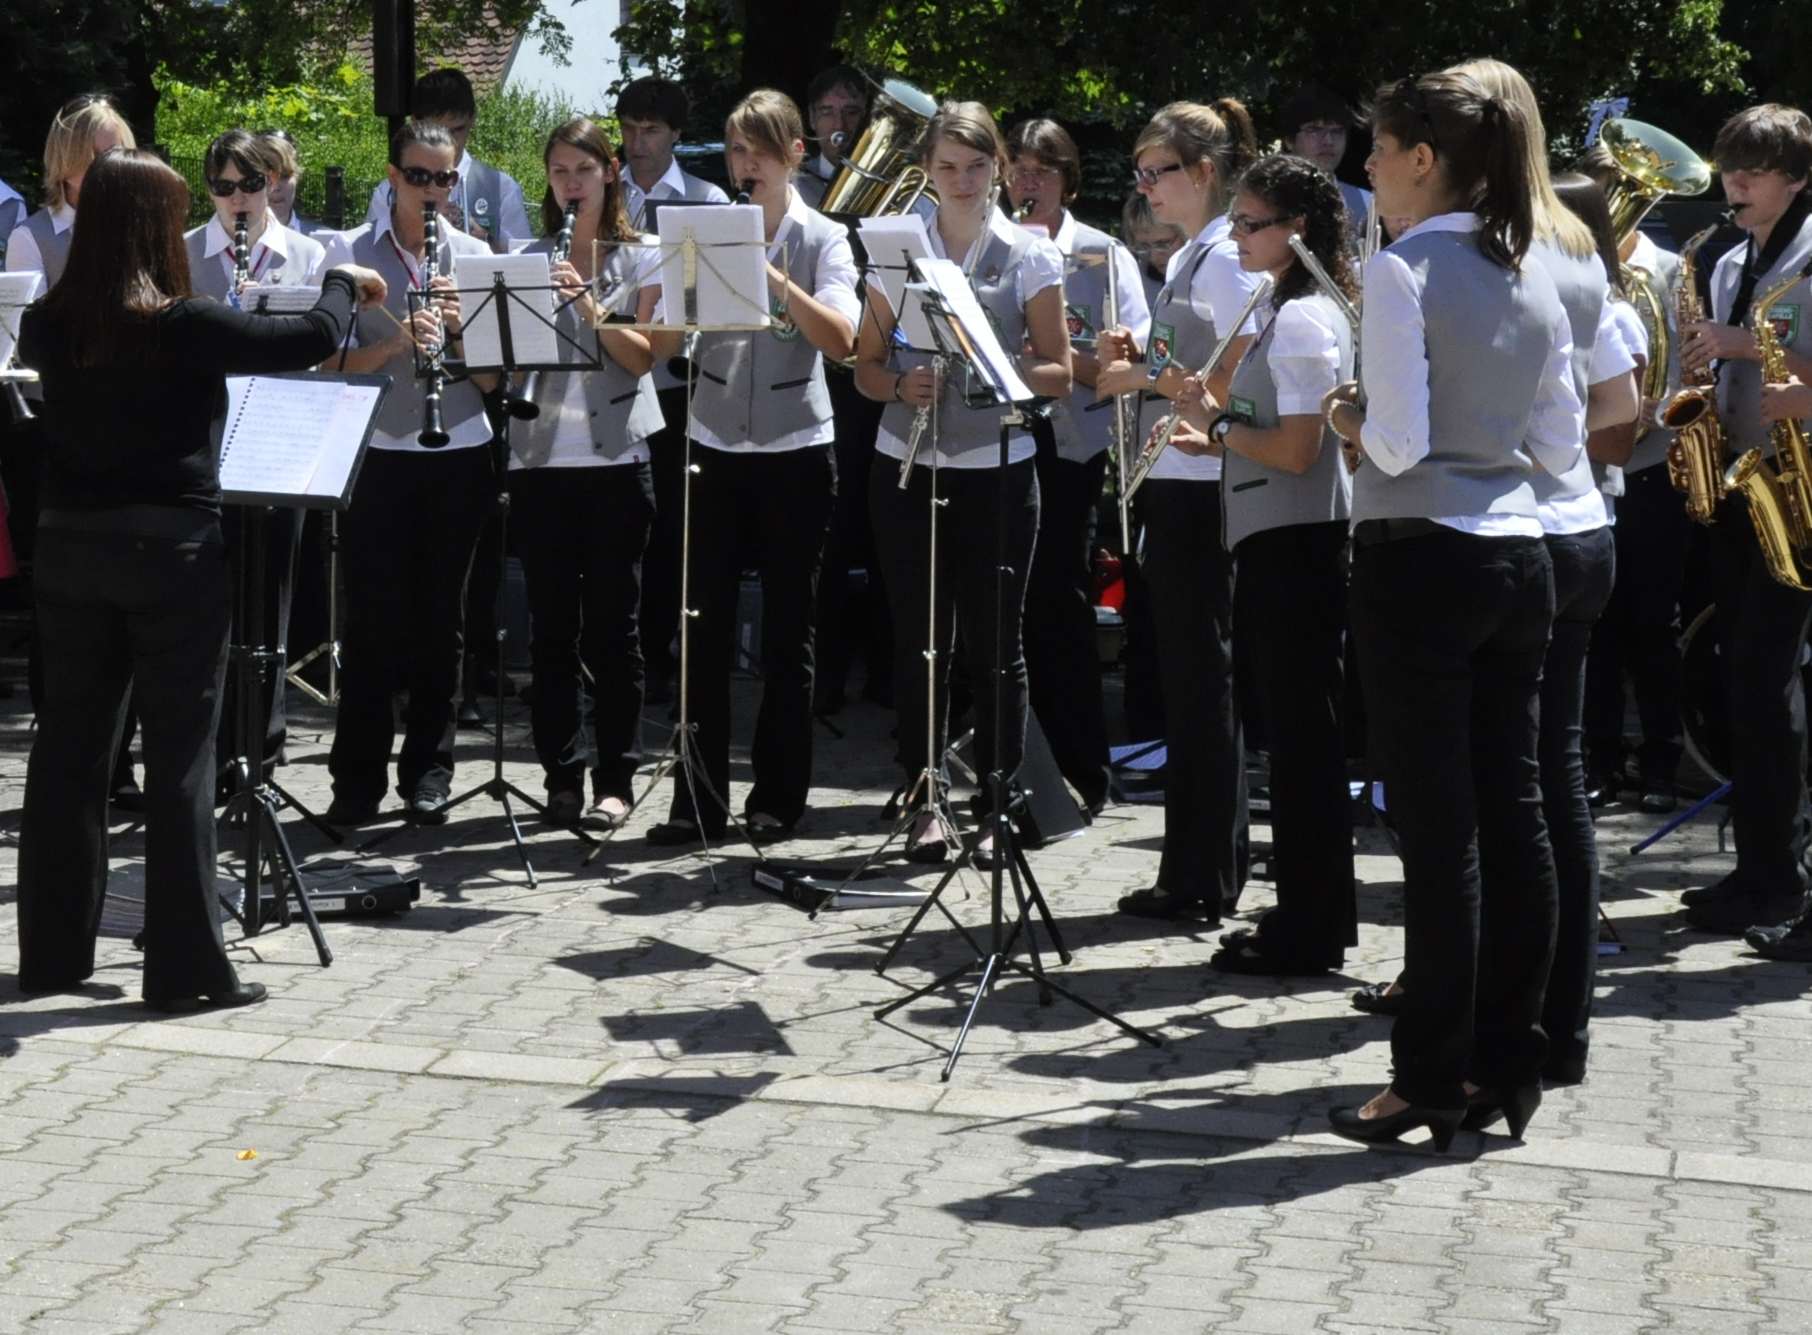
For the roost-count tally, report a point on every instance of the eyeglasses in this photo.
(847, 115)
(1323, 131)
(222, 188)
(1244, 224)
(421, 178)
(1148, 176)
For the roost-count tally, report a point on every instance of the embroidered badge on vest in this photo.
(1157, 356)
(1785, 319)
(1080, 326)
(782, 327)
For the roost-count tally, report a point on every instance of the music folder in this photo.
(297, 439)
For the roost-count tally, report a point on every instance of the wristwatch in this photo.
(1218, 428)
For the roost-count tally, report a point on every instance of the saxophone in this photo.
(1780, 498)
(1696, 457)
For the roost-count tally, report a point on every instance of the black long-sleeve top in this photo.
(141, 433)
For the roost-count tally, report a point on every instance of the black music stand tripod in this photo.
(1009, 866)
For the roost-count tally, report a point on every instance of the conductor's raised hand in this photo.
(369, 282)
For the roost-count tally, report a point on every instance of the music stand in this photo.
(269, 459)
(490, 340)
(730, 307)
(950, 311)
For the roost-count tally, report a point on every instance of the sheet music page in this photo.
(960, 299)
(732, 278)
(533, 338)
(271, 432)
(17, 290)
(282, 298)
(892, 244)
(342, 433)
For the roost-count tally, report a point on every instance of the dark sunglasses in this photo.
(245, 185)
(1244, 224)
(421, 178)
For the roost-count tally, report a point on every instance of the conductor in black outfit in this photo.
(132, 573)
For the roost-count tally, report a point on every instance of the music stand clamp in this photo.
(1008, 864)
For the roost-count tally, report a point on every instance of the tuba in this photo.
(1779, 497)
(1695, 459)
(881, 175)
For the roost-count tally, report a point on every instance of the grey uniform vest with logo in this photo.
(1584, 288)
(1256, 498)
(1190, 337)
(619, 410)
(401, 414)
(208, 276)
(53, 246)
(484, 203)
(961, 429)
(1740, 382)
(1487, 331)
(1652, 448)
(1082, 424)
(764, 384)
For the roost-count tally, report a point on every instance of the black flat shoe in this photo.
(426, 807)
(925, 844)
(765, 829)
(1378, 999)
(242, 994)
(343, 812)
(1789, 942)
(674, 834)
(1246, 952)
(1513, 1106)
(1157, 902)
(1657, 799)
(1441, 1124)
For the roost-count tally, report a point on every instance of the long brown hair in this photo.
(582, 133)
(1297, 188)
(127, 261)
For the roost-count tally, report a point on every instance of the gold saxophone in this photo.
(1780, 498)
(1695, 460)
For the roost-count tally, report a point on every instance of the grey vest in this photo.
(1357, 208)
(401, 414)
(1487, 331)
(620, 410)
(208, 276)
(52, 245)
(1083, 424)
(12, 213)
(1740, 382)
(961, 429)
(484, 204)
(1178, 333)
(1256, 498)
(1583, 287)
(764, 384)
(1651, 449)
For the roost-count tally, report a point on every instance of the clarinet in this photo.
(526, 406)
(242, 259)
(433, 434)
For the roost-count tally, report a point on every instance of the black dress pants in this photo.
(1585, 567)
(114, 609)
(1762, 626)
(777, 506)
(1452, 631)
(661, 565)
(1639, 635)
(1289, 607)
(407, 541)
(580, 533)
(1063, 665)
(968, 525)
(1190, 576)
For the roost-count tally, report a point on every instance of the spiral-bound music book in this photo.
(297, 439)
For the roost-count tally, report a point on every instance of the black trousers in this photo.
(407, 542)
(1762, 625)
(776, 509)
(1289, 606)
(851, 626)
(968, 525)
(1190, 576)
(1585, 567)
(114, 610)
(1063, 665)
(1452, 630)
(661, 565)
(580, 533)
(1639, 635)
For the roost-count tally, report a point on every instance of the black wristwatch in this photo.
(1218, 428)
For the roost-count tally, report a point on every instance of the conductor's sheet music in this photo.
(293, 436)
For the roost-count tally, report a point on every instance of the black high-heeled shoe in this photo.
(1441, 1124)
(240, 994)
(1515, 1106)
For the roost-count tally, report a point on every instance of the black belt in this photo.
(173, 522)
(1372, 532)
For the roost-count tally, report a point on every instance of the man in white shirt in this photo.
(1317, 123)
(836, 105)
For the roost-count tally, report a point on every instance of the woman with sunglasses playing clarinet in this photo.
(1186, 162)
(240, 169)
(581, 491)
(1287, 494)
(1469, 380)
(416, 509)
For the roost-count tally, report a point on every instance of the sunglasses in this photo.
(1244, 224)
(421, 178)
(221, 188)
(1148, 176)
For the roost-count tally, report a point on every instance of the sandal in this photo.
(1379, 999)
(926, 842)
(605, 813)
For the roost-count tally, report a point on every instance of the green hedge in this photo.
(332, 123)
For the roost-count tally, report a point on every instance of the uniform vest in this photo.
(765, 384)
(1179, 332)
(1487, 331)
(401, 414)
(1256, 498)
(53, 245)
(12, 213)
(1082, 423)
(209, 278)
(618, 410)
(1651, 449)
(1584, 288)
(484, 203)
(962, 429)
(1740, 382)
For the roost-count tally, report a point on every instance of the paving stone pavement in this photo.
(625, 1100)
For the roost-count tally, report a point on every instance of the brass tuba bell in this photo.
(881, 174)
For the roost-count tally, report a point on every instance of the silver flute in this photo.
(1348, 311)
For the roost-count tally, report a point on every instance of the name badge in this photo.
(1241, 409)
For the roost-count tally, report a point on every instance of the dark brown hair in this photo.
(415, 130)
(1481, 148)
(1051, 144)
(582, 133)
(1766, 138)
(970, 124)
(1297, 188)
(127, 261)
(251, 153)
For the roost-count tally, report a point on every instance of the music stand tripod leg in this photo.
(286, 878)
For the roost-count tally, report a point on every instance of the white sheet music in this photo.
(282, 298)
(892, 244)
(959, 299)
(731, 277)
(293, 436)
(533, 338)
(17, 291)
